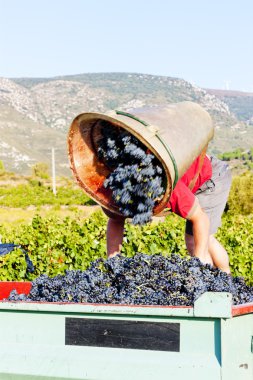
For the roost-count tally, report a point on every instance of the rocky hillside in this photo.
(35, 113)
(240, 103)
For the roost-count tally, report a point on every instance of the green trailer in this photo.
(212, 340)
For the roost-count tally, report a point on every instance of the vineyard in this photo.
(71, 243)
(56, 245)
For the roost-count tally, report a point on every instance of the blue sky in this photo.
(206, 42)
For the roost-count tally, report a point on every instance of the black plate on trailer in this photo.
(122, 334)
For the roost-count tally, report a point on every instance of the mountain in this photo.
(240, 103)
(35, 113)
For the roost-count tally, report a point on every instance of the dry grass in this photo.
(12, 217)
(15, 216)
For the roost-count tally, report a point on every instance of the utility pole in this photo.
(53, 172)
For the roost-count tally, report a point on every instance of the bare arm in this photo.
(114, 233)
(114, 236)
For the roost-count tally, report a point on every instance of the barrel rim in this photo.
(115, 121)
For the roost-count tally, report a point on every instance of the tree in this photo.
(40, 170)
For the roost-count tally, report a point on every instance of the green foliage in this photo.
(40, 170)
(228, 156)
(241, 194)
(37, 194)
(236, 235)
(56, 245)
(244, 158)
(53, 246)
(2, 169)
(162, 238)
(13, 266)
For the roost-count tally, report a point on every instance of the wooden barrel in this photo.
(176, 134)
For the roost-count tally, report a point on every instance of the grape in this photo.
(140, 280)
(137, 177)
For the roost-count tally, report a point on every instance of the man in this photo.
(200, 197)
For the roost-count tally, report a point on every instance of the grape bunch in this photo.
(140, 280)
(137, 177)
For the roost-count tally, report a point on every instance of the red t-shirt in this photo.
(182, 198)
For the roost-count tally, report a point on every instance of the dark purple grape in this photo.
(140, 280)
